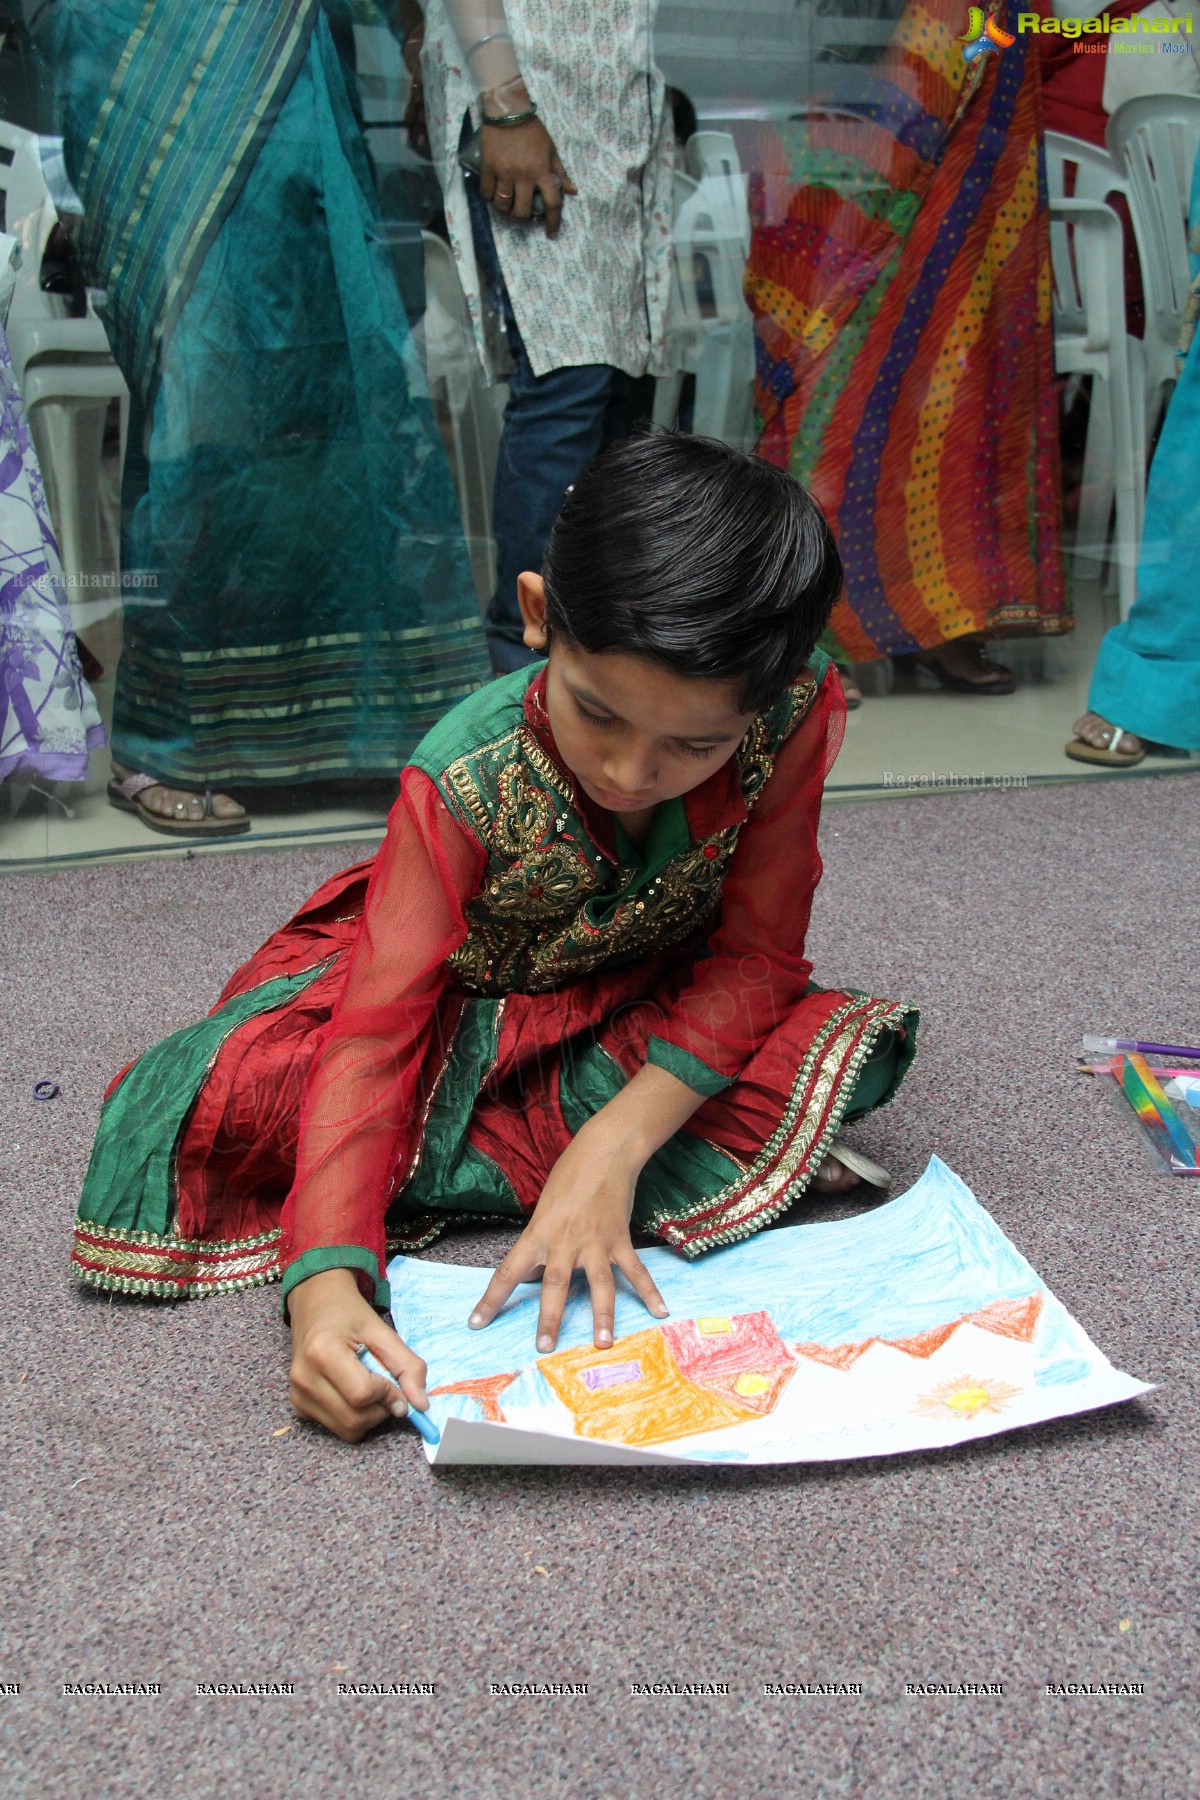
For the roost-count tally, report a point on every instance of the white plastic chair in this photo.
(712, 159)
(1077, 170)
(1090, 339)
(1154, 141)
(38, 324)
(475, 411)
(710, 330)
(64, 366)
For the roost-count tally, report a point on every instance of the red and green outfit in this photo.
(424, 1038)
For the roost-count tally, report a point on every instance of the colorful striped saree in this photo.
(900, 279)
(298, 603)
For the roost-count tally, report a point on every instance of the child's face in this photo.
(632, 732)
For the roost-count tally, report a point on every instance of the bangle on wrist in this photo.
(507, 99)
(506, 119)
(494, 37)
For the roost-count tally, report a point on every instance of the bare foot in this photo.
(833, 1177)
(180, 803)
(1097, 732)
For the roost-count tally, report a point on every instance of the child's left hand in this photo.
(580, 1222)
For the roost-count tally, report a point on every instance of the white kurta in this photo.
(598, 292)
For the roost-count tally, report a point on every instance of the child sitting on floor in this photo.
(571, 987)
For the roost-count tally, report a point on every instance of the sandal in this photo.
(962, 684)
(851, 691)
(1079, 750)
(125, 791)
(860, 1165)
(857, 1164)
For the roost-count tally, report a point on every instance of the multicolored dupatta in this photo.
(900, 279)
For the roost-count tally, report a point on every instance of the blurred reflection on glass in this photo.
(1145, 687)
(899, 275)
(48, 717)
(298, 601)
(582, 303)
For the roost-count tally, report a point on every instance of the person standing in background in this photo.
(299, 605)
(571, 109)
(1145, 687)
(899, 275)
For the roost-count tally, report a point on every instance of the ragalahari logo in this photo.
(983, 35)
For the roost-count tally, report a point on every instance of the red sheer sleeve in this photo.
(758, 969)
(363, 1097)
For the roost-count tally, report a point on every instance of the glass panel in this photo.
(298, 404)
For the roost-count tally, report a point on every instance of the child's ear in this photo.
(531, 597)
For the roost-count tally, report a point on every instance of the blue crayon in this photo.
(422, 1421)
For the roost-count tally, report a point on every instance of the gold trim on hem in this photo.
(770, 1184)
(137, 1262)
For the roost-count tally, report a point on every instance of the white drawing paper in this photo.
(916, 1326)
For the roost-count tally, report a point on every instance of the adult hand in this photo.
(580, 1222)
(517, 160)
(330, 1319)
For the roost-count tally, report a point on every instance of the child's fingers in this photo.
(358, 1391)
(332, 1376)
(639, 1278)
(412, 1381)
(604, 1301)
(519, 1265)
(315, 1396)
(556, 1285)
(405, 1365)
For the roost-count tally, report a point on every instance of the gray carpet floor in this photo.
(157, 1526)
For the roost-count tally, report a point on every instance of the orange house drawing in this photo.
(673, 1380)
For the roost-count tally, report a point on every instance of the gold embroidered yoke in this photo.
(564, 893)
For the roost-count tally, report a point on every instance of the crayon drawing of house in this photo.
(675, 1380)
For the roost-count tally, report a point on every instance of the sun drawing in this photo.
(966, 1397)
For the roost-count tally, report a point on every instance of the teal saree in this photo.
(1147, 673)
(298, 598)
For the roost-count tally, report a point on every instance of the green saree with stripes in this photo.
(298, 598)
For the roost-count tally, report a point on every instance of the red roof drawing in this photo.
(1007, 1318)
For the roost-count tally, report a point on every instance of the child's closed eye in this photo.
(594, 718)
(604, 719)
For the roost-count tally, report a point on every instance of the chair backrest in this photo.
(710, 263)
(1077, 170)
(1154, 140)
(22, 186)
(712, 161)
(1089, 300)
(710, 235)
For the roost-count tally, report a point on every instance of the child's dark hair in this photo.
(708, 561)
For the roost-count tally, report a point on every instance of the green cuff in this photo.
(687, 1068)
(336, 1256)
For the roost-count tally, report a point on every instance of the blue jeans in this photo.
(554, 426)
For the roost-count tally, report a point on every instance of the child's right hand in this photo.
(330, 1319)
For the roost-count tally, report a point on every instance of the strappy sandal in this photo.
(1079, 750)
(125, 791)
(961, 684)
